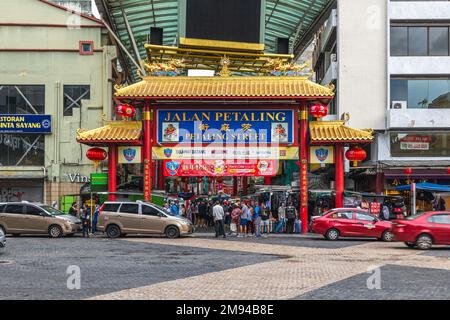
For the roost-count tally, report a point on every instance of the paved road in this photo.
(201, 267)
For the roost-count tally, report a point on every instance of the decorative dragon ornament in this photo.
(171, 68)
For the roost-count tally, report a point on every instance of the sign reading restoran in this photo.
(226, 126)
(25, 123)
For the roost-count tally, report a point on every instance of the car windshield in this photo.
(167, 212)
(52, 210)
(415, 216)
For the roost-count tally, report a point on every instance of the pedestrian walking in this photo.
(257, 221)
(95, 219)
(281, 218)
(73, 211)
(86, 223)
(218, 216)
(235, 214)
(265, 220)
(243, 221)
(291, 215)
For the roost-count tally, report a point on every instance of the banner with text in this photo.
(225, 126)
(25, 123)
(219, 168)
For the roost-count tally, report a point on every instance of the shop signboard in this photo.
(226, 126)
(322, 155)
(99, 182)
(219, 168)
(26, 123)
(414, 146)
(129, 154)
(231, 153)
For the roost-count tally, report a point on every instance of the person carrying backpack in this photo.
(291, 214)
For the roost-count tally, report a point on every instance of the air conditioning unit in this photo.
(399, 104)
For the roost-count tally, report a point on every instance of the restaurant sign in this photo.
(225, 126)
(25, 123)
(219, 168)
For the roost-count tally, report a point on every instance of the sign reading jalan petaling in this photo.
(25, 123)
(225, 126)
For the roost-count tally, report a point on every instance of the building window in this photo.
(420, 41)
(73, 94)
(420, 144)
(86, 47)
(17, 149)
(421, 93)
(22, 99)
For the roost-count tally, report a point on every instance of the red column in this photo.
(379, 185)
(267, 181)
(339, 171)
(235, 186)
(304, 146)
(160, 175)
(112, 171)
(146, 119)
(244, 185)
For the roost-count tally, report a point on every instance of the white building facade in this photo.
(390, 62)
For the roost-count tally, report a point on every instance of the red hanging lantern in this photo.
(318, 111)
(408, 171)
(96, 154)
(355, 154)
(126, 111)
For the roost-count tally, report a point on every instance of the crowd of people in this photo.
(240, 219)
(84, 214)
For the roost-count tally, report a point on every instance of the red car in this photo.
(351, 222)
(423, 230)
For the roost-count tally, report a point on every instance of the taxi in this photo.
(351, 222)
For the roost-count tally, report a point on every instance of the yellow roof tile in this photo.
(117, 131)
(167, 87)
(337, 131)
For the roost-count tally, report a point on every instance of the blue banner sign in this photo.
(226, 126)
(25, 123)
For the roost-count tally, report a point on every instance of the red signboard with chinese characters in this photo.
(219, 168)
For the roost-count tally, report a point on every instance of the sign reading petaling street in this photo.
(225, 126)
(25, 123)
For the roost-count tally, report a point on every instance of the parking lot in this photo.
(201, 267)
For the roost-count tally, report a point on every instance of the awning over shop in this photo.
(337, 131)
(219, 87)
(118, 132)
(425, 186)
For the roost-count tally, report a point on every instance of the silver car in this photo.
(2, 239)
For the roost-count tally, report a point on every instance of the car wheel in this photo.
(172, 232)
(55, 231)
(387, 236)
(410, 244)
(113, 231)
(424, 242)
(332, 234)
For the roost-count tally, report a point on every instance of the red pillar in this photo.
(235, 186)
(147, 118)
(267, 181)
(112, 171)
(379, 185)
(339, 174)
(160, 175)
(304, 146)
(244, 185)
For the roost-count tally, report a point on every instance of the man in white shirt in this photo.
(218, 215)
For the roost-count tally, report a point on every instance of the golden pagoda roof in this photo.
(114, 131)
(333, 131)
(217, 87)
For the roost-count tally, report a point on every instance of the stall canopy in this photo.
(425, 186)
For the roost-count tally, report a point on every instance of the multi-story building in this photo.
(390, 62)
(56, 77)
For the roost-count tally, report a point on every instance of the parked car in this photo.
(423, 230)
(2, 239)
(351, 222)
(32, 218)
(121, 218)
